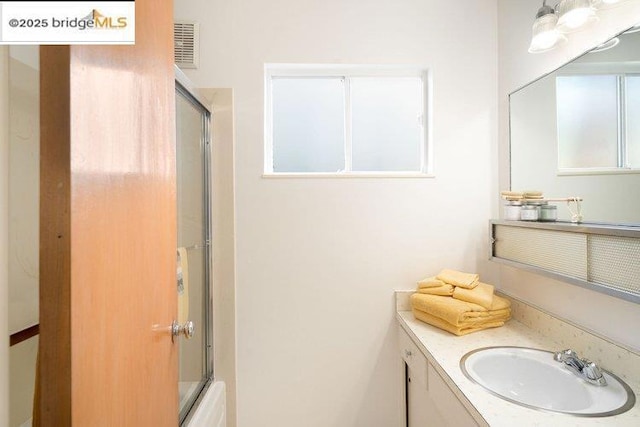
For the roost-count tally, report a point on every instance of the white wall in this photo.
(595, 311)
(4, 238)
(318, 259)
(22, 377)
(24, 187)
(24, 191)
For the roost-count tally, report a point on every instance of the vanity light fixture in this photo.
(567, 16)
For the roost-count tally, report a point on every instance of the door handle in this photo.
(187, 329)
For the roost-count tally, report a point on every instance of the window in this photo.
(348, 120)
(595, 125)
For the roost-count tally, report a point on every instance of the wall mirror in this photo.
(576, 132)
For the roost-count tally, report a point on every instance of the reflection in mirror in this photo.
(576, 132)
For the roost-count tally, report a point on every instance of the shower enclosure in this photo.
(194, 278)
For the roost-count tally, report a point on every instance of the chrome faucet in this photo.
(584, 368)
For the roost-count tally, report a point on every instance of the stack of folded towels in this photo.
(459, 303)
(522, 196)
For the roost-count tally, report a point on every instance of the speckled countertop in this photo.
(444, 352)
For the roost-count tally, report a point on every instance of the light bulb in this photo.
(545, 40)
(545, 36)
(574, 15)
(576, 18)
(607, 4)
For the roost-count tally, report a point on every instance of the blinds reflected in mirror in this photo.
(596, 121)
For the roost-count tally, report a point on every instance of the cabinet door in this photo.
(452, 410)
(420, 409)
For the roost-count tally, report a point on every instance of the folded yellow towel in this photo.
(430, 282)
(481, 294)
(444, 290)
(458, 278)
(532, 193)
(458, 312)
(500, 303)
(458, 330)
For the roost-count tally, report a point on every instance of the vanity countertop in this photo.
(444, 351)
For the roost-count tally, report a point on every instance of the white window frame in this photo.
(621, 71)
(346, 72)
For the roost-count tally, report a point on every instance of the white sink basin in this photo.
(532, 378)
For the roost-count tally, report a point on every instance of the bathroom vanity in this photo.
(437, 393)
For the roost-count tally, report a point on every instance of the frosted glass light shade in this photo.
(607, 4)
(574, 15)
(633, 29)
(609, 44)
(545, 35)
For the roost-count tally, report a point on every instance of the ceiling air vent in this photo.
(185, 43)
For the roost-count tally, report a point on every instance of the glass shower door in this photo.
(193, 252)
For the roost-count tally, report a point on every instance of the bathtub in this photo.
(211, 409)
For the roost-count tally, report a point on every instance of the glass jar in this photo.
(537, 203)
(512, 211)
(548, 213)
(529, 213)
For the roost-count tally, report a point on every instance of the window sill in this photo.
(314, 175)
(597, 171)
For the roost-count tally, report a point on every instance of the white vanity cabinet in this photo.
(429, 400)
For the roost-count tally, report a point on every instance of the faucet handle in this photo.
(571, 360)
(561, 356)
(593, 373)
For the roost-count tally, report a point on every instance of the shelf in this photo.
(572, 227)
(601, 257)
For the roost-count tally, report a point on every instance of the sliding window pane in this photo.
(308, 124)
(387, 131)
(587, 121)
(633, 121)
